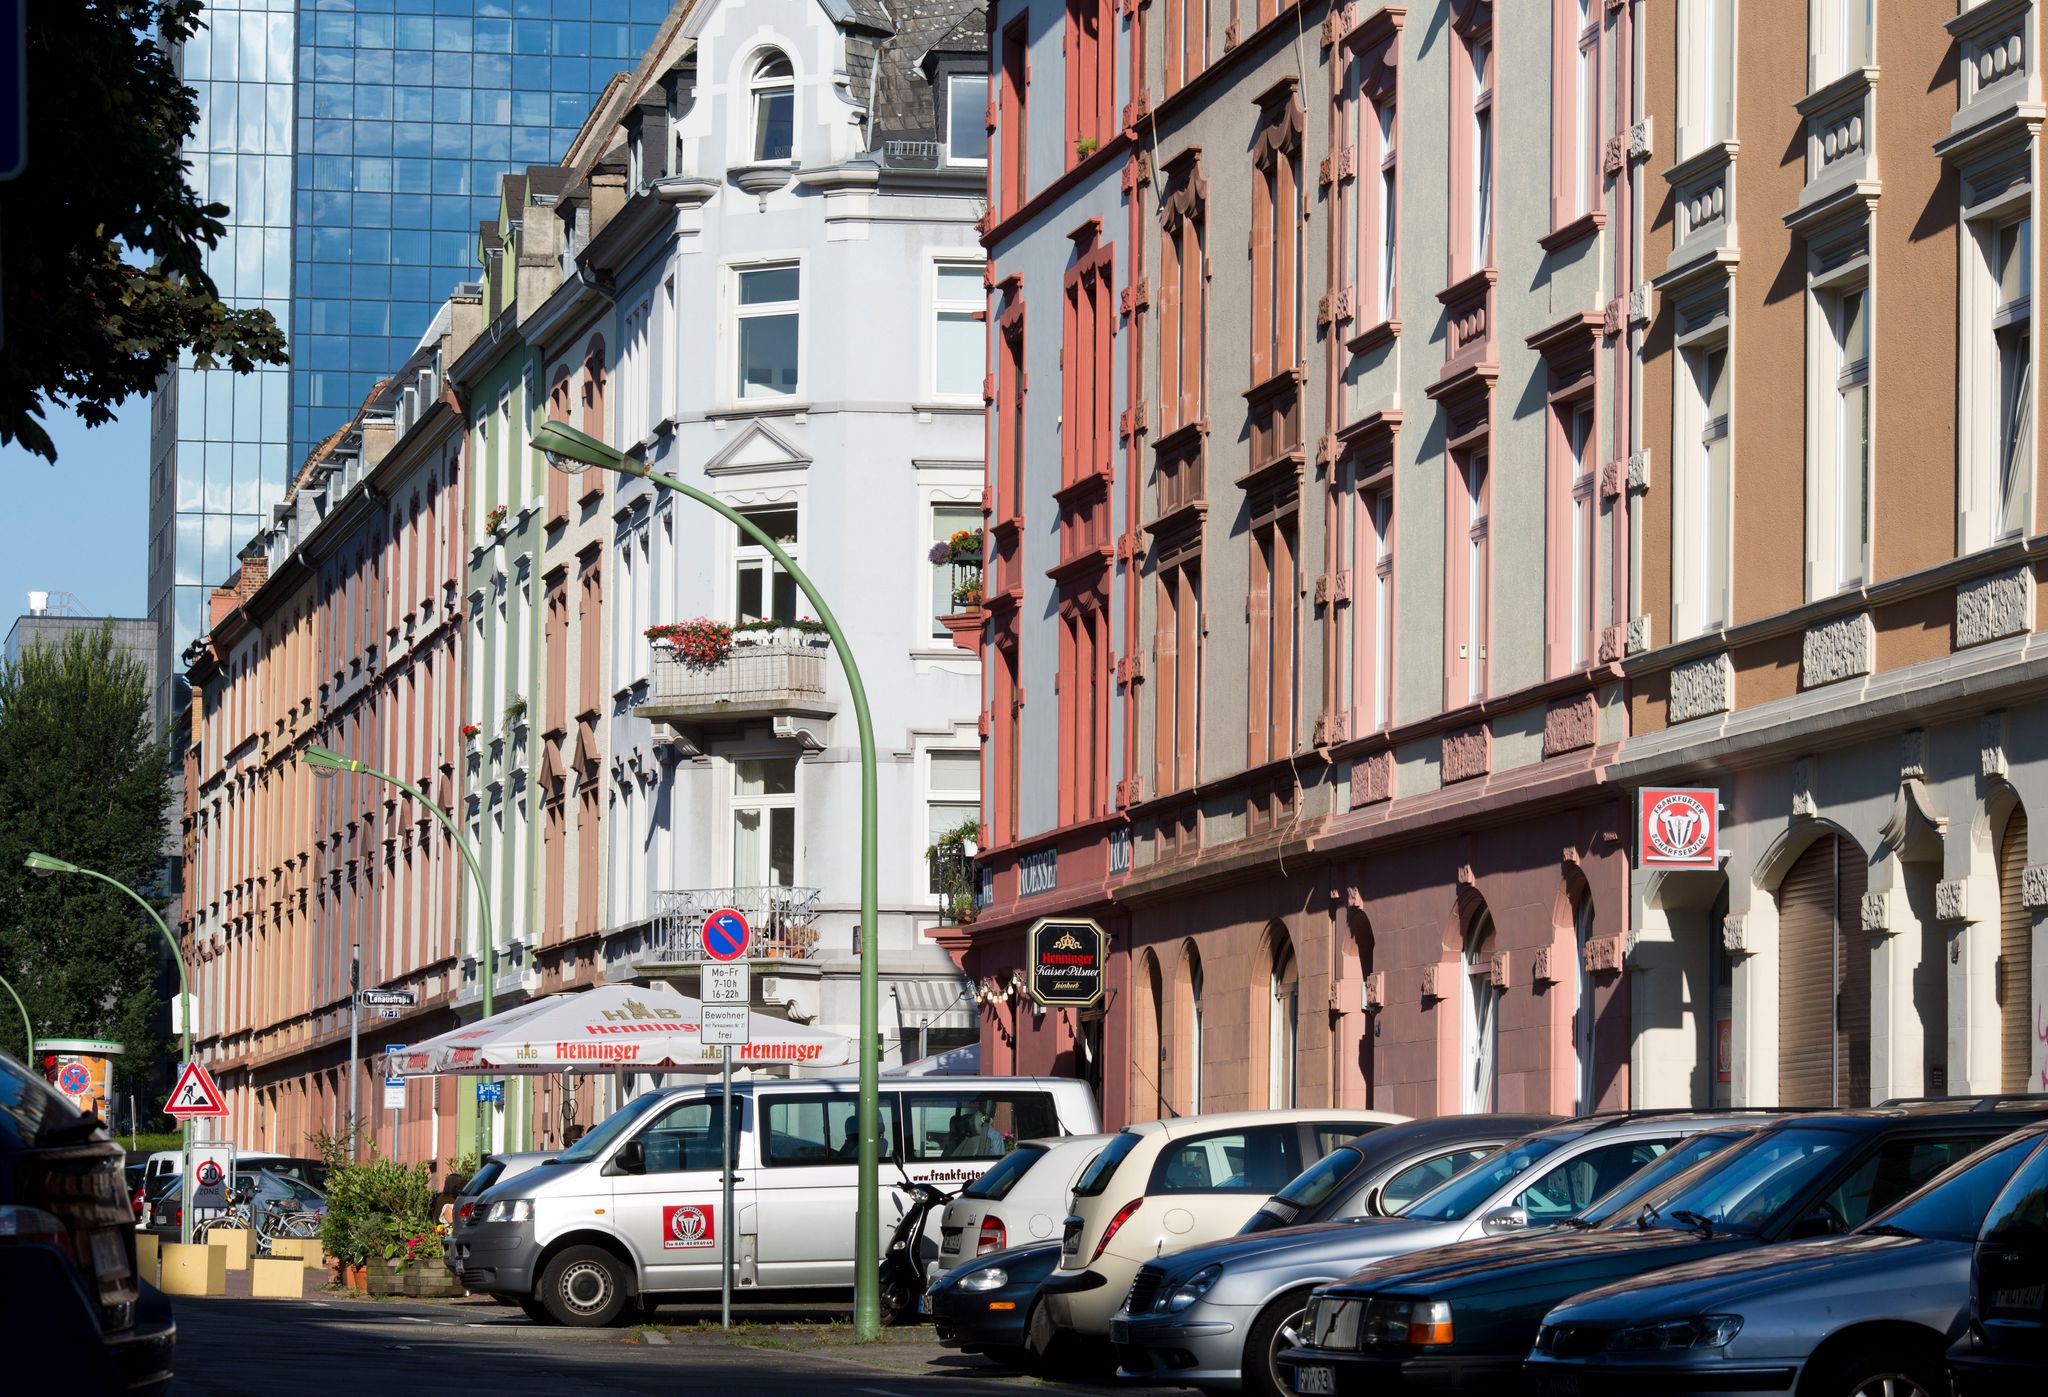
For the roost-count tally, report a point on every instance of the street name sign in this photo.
(387, 999)
(196, 1094)
(394, 1093)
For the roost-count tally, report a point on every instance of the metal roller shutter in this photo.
(1823, 979)
(2015, 960)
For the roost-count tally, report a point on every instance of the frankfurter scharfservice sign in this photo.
(1068, 955)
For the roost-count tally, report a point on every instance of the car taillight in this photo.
(1123, 1215)
(465, 1210)
(993, 1237)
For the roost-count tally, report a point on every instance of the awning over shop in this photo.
(933, 1003)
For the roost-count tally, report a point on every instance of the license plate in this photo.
(951, 1244)
(1314, 1380)
(1557, 1384)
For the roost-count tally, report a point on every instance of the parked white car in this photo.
(1163, 1185)
(1024, 1199)
(632, 1211)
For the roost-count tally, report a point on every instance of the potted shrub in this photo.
(702, 641)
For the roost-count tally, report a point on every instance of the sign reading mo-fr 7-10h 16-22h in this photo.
(1067, 956)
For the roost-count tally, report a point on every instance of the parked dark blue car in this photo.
(981, 1307)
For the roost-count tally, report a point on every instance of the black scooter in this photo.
(903, 1258)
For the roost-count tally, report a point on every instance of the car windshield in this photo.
(487, 1173)
(997, 1182)
(1952, 1207)
(1746, 1188)
(611, 1129)
(1681, 1157)
(1457, 1197)
(1104, 1168)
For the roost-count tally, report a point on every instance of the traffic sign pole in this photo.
(723, 984)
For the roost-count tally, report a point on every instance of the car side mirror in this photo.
(631, 1158)
(1818, 1223)
(1502, 1221)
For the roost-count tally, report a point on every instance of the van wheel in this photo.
(584, 1287)
(1277, 1329)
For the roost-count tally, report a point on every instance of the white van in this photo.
(632, 1211)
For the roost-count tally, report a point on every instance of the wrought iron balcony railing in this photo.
(782, 922)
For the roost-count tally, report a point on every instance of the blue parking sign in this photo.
(491, 1093)
(13, 88)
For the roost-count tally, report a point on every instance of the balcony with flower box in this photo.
(707, 675)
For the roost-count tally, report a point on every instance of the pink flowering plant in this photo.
(495, 518)
(702, 641)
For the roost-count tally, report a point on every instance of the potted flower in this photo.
(702, 641)
(470, 732)
(967, 595)
(495, 518)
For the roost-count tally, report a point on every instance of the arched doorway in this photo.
(2015, 959)
(1479, 1015)
(1824, 978)
(1584, 1044)
(1283, 1025)
(1148, 1042)
(1186, 1092)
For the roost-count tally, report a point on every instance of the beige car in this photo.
(1163, 1185)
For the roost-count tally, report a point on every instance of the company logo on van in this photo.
(685, 1225)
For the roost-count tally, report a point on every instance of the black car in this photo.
(1465, 1316)
(83, 1320)
(2005, 1350)
(1385, 1170)
(980, 1307)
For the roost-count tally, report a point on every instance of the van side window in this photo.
(1261, 1159)
(817, 1130)
(684, 1137)
(976, 1125)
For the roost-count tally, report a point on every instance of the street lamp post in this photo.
(26, 1026)
(572, 451)
(326, 762)
(45, 865)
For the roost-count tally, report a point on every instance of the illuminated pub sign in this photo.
(1067, 957)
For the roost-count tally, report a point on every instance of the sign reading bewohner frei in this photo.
(1067, 956)
(1678, 827)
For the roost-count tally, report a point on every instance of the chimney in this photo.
(38, 603)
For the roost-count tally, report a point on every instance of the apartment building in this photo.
(1840, 543)
(1310, 455)
(341, 628)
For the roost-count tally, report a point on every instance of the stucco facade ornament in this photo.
(1372, 779)
(1913, 754)
(1602, 955)
(2034, 885)
(1638, 635)
(1468, 752)
(1991, 744)
(1989, 608)
(1499, 972)
(1702, 687)
(1540, 973)
(1735, 934)
(1376, 990)
(1803, 801)
(1877, 913)
(1837, 650)
(1571, 725)
(1639, 470)
(1432, 981)
(1952, 900)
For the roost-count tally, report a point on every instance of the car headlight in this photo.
(510, 1210)
(1191, 1289)
(1331, 1322)
(988, 1278)
(1415, 1323)
(1702, 1331)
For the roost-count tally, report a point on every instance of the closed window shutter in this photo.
(2015, 960)
(1823, 979)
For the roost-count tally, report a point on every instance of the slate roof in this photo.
(903, 103)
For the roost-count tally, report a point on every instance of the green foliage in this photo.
(956, 870)
(148, 1143)
(374, 1207)
(81, 778)
(102, 238)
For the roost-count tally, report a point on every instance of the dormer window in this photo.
(774, 88)
(966, 119)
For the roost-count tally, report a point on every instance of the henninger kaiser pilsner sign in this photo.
(1067, 956)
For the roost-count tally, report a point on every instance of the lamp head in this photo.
(325, 761)
(567, 465)
(571, 451)
(43, 865)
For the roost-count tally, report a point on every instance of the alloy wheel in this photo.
(1889, 1385)
(1287, 1336)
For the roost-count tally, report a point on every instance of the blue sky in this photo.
(82, 525)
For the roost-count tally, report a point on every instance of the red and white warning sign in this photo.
(208, 1173)
(196, 1094)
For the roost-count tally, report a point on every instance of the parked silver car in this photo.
(1216, 1317)
(1872, 1311)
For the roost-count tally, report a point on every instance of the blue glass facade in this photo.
(357, 145)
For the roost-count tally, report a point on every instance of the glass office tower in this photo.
(357, 145)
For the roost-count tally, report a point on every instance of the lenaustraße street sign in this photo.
(387, 999)
(1067, 956)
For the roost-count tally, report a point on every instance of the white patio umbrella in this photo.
(619, 1028)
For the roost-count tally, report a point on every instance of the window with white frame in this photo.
(1706, 74)
(2012, 325)
(766, 334)
(959, 341)
(1841, 542)
(764, 822)
(1382, 507)
(1839, 33)
(967, 119)
(1479, 52)
(1283, 1037)
(952, 799)
(1388, 259)
(1479, 1016)
(507, 493)
(1582, 1011)
(633, 373)
(1586, 108)
(955, 587)
(774, 90)
(1585, 504)
(762, 591)
(1995, 456)
(1703, 496)
(1473, 641)
(661, 337)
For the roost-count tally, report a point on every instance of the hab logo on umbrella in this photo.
(687, 1225)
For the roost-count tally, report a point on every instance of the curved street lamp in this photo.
(27, 1027)
(45, 865)
(574, 452)
(327, 763)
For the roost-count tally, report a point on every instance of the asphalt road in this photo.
(259, 1348)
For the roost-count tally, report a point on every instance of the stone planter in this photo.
(432, 1280)
(383, 1277)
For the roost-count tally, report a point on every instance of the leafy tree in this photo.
(102, 239)
(82, 778)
